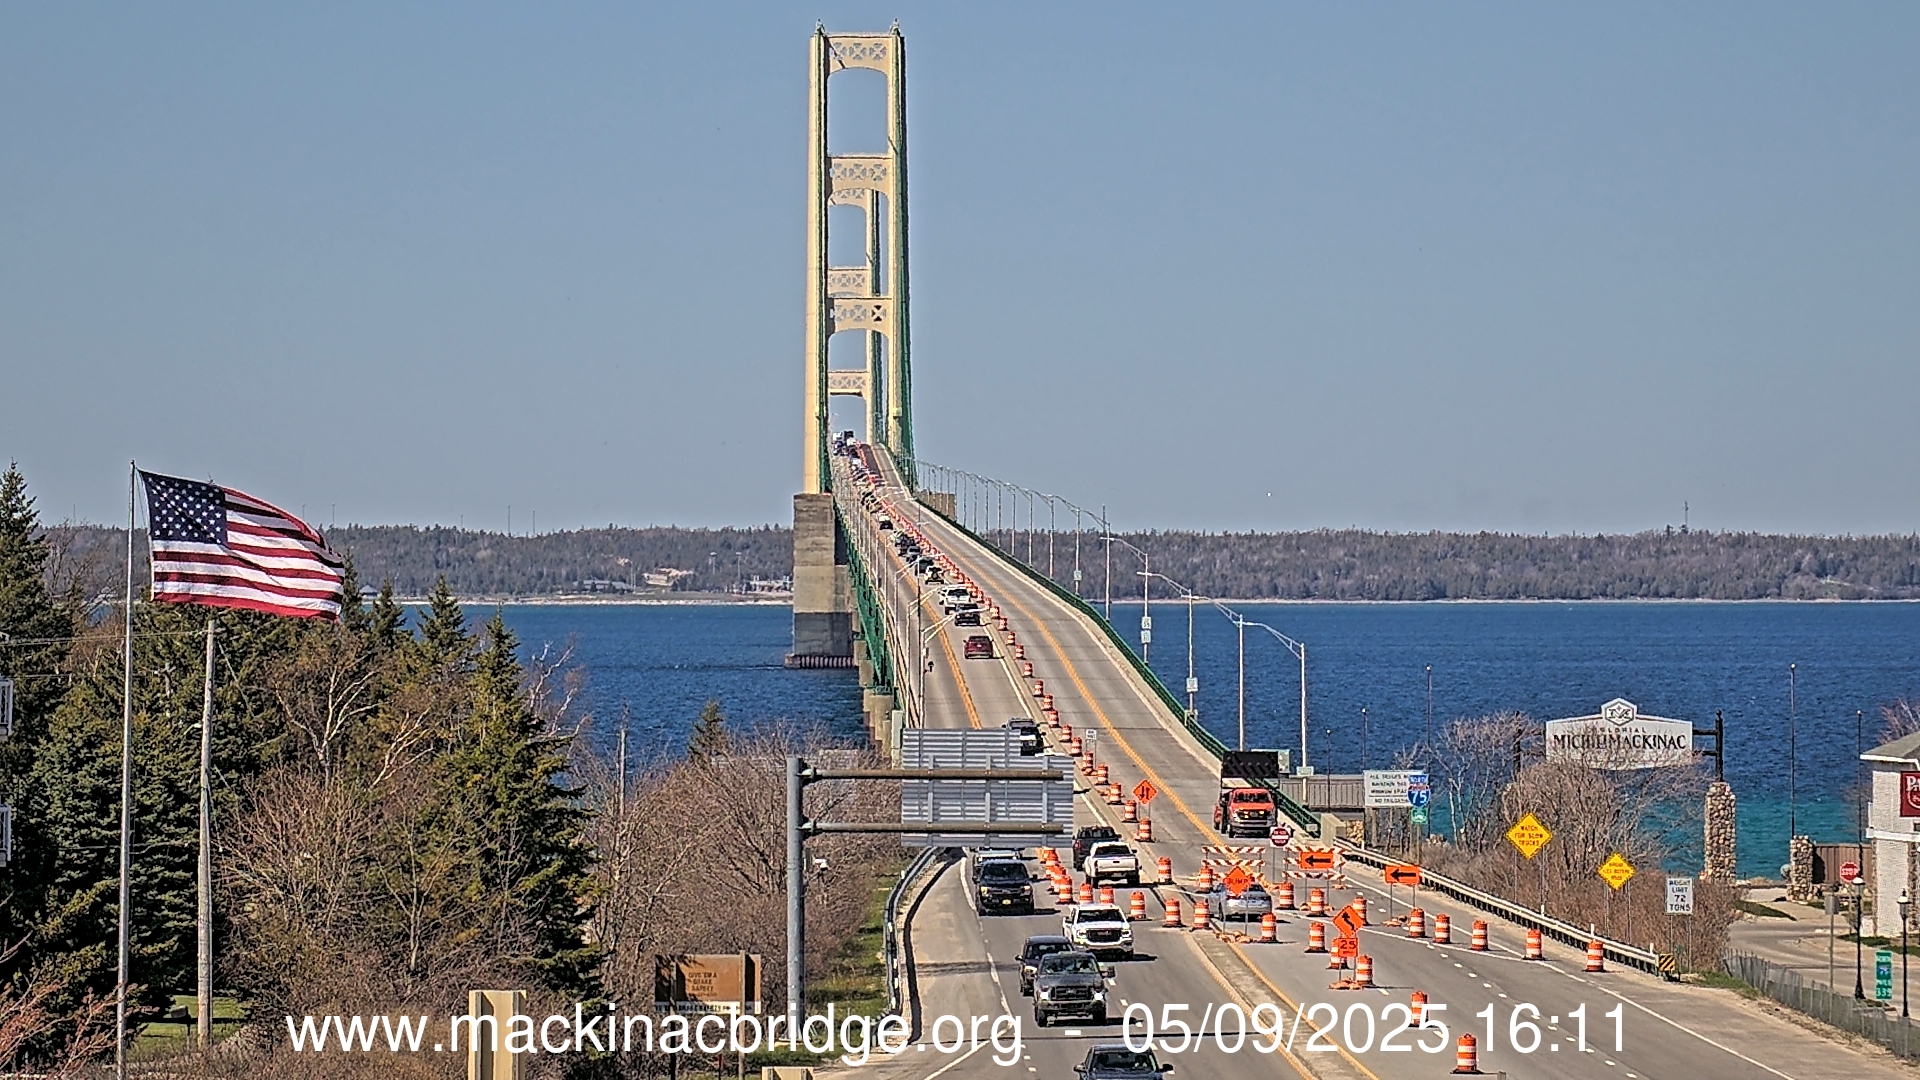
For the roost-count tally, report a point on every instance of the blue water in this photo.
(1681, 660)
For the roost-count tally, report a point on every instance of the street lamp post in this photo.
(1860, 829)
(1905, 904)
(1146, 611)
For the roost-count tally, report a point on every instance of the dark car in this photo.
(979, 647)
(1028, 734)
(1038, 947)
(969, 617)
(1003, 887)
(1070, 984)
(1088, 835)
(1114, 1061)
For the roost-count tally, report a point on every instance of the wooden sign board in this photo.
(707, 983)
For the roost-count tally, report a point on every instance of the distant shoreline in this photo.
(695, 599)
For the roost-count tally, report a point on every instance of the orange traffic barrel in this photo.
(1418, 1006)
(1596, 956)
(1063, 892)
(1163, 870)
(1360, 908)
(1114, 794)
(1066, 731)
(1048, 856)
(1269, 928)
(1317, 902)
(1442, 929)
(1086, 892)
(1316, 937)
(1479, 935)
(1101, 773)
(1534, 951)
(1206, 878)
(1417, 923)
(1285, 900)
(1020, 654)
(1129, 811)
(1046, 702)
(1173, 912)
(1137, 906)
(1012, 638)
(1466, 1059)
(1106, 894)
(1363, 971)
(1202, 917)
(1144, 835)
(1040, 688)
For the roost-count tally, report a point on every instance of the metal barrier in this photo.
(1564, 932)
(1868, 1019)
(890, 934)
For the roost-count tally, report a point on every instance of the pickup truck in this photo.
(1085, 837)
(1244, 812)
(1100, 929)
(1112, 860)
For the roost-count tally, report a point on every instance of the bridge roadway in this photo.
(963, 965)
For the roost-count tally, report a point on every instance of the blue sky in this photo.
(1514, 267)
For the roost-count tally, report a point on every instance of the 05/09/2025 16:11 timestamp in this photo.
(1358, 1028)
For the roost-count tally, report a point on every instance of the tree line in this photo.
(404, 811)
(1322, 564)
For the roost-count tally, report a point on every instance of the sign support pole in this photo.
(205, 920)
(796, 898)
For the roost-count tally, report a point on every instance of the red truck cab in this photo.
(1244, 812)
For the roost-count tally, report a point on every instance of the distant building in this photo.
(782, 587)
(605, 585)
(665, 577)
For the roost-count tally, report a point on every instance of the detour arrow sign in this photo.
(1315, 860)
(1402, 874)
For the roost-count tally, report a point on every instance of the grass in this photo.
(1720, 980)
(159, 1039)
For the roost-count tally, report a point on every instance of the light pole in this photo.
(1106, 573)
(1860, 830)
(1193, 680)
(1363, 738)
(1429, 712)
(1146, 611)
(1298, 649)
(1905, 904)
(1793, 757)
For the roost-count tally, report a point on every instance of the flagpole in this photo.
(206, 851)
(126, 793)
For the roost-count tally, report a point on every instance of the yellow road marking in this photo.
(1167, 789)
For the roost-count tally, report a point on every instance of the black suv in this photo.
(1028, 734)
(1086, 837)
(1003, 887)
(1038, 946)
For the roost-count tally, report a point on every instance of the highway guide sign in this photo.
(1387, 788)
(1529, 835)
(1417, 815)
(1679, 896)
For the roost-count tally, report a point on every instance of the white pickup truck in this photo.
(1099, 929)
(1113, 861)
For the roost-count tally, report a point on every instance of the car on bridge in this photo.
(1037, 948)
(1116, 1061)
(1101, 929)
(1027, 733)
(1113, 860)
(978, 647)
(1003, 887)
(1244, 812)
(1251, 903)
(967, 616)
(1070, 984)
(1085, 837)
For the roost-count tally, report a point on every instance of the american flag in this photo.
(217, 546)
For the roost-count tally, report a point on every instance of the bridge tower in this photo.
(869, 299)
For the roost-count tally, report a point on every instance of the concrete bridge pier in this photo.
(822, 587)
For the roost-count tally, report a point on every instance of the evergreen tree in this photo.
(34, 654)
(523, 828)
(387, 621)
(710, 735)
(353, 611)
(444, 641)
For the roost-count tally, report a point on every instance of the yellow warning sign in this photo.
(1616, 870)
(1529, 835)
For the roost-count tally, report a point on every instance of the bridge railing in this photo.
(1565, 932)
(1304, 818)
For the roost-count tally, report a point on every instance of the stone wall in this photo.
(1720, 817)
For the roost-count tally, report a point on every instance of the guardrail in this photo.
(1307, 820)
(890, 935)
(1564, 932)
